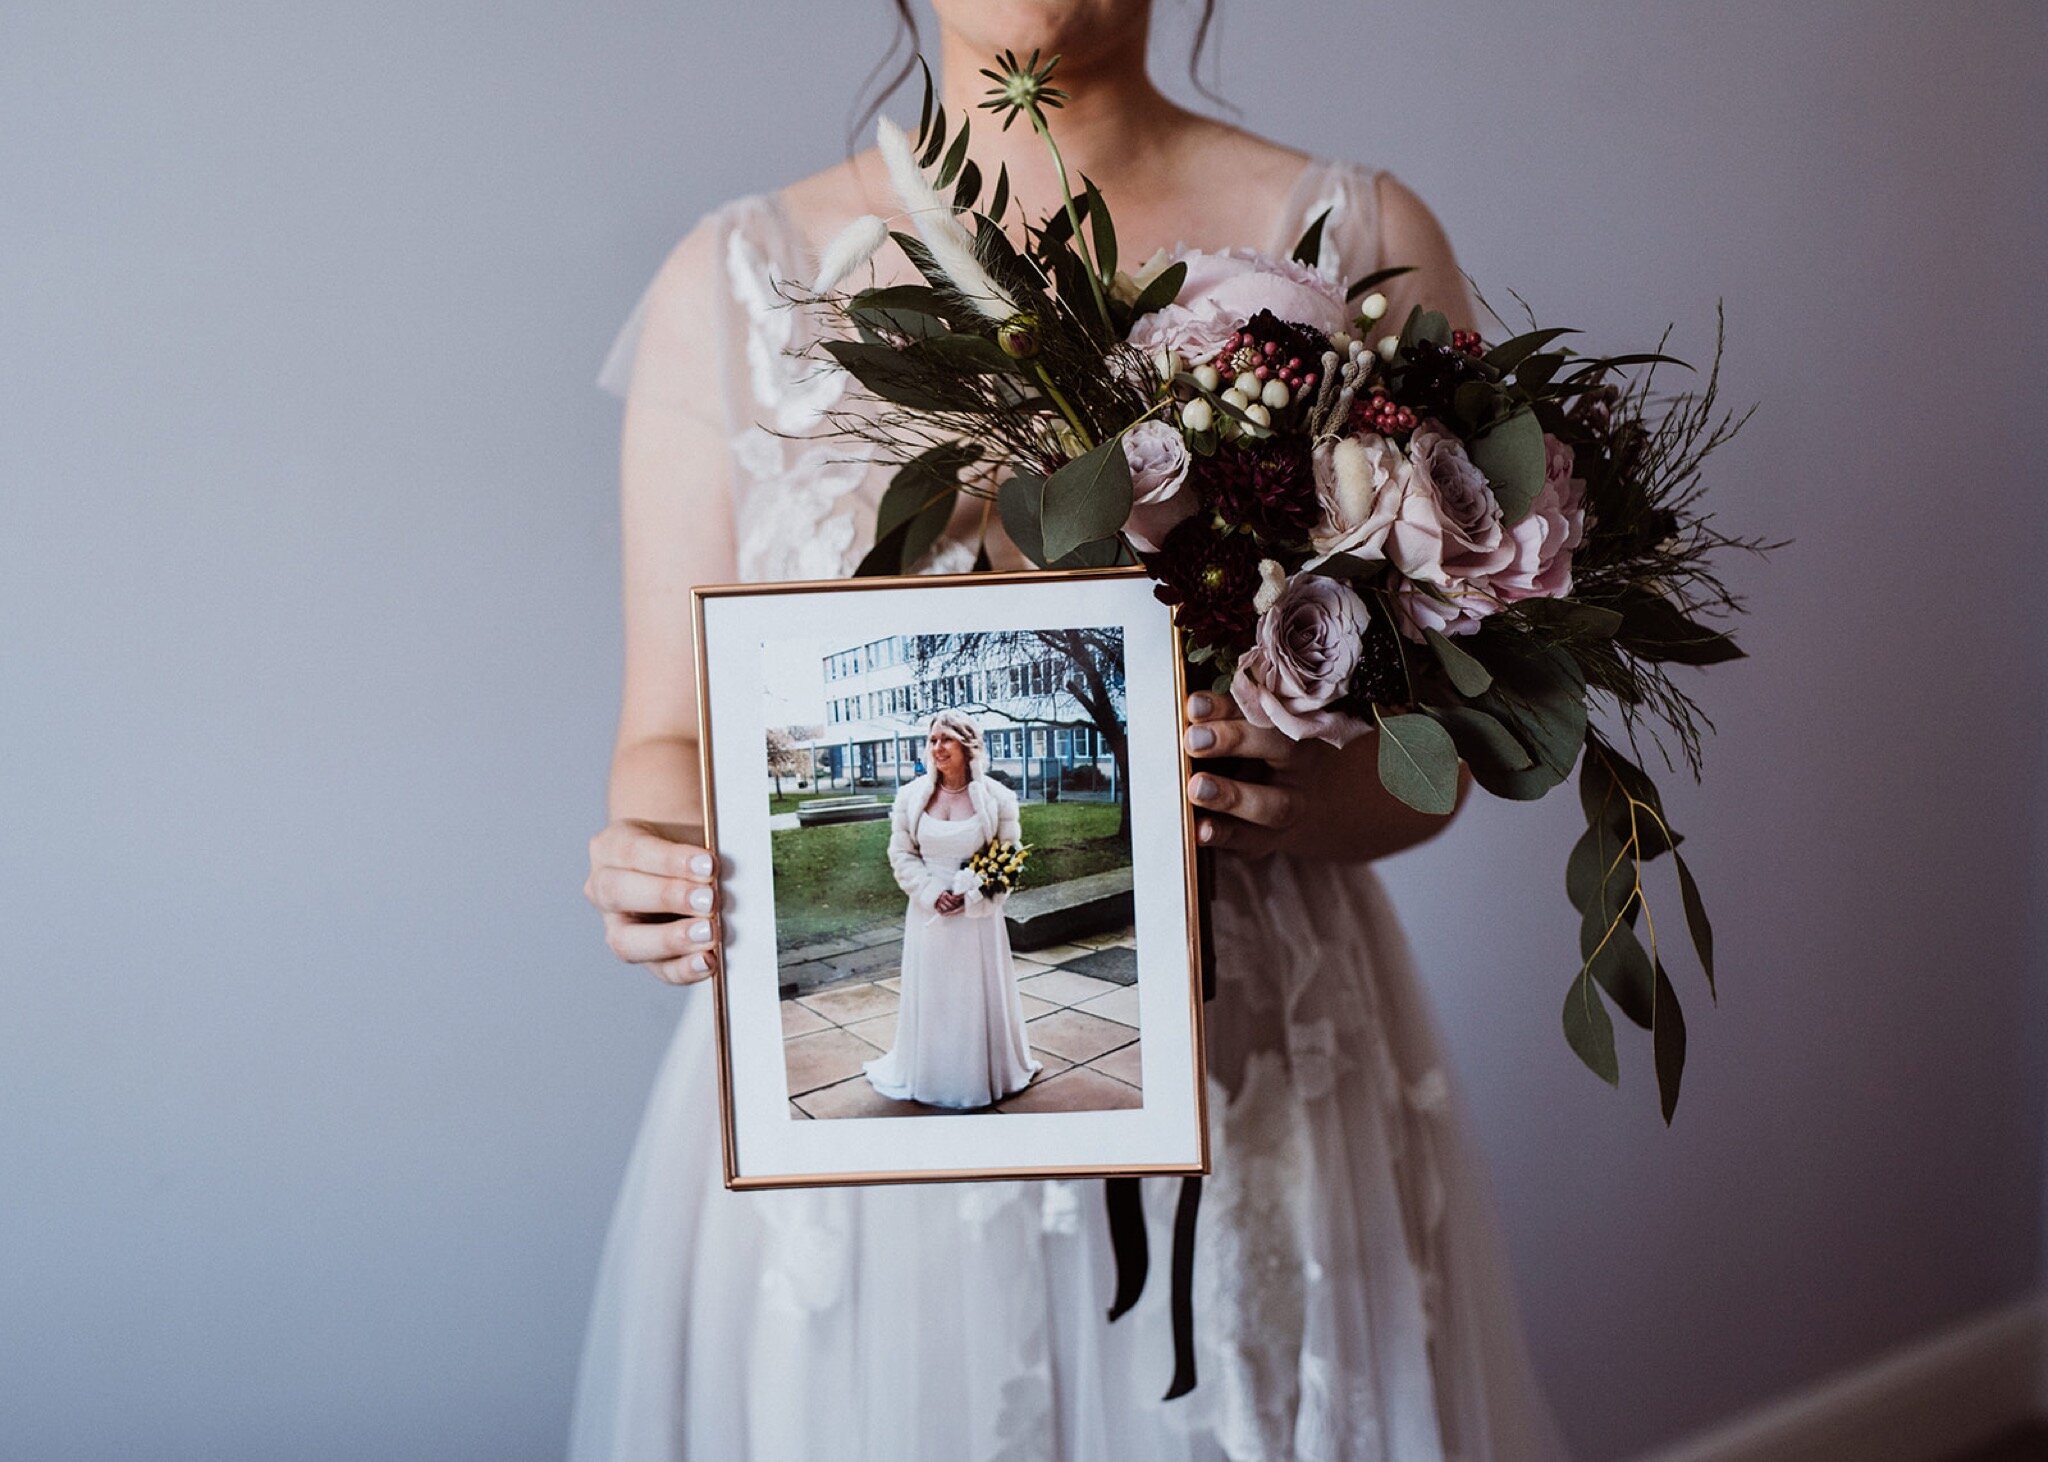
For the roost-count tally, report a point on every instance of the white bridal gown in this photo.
(1351, 1300)
(960, 1027)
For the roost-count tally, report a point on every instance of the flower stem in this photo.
(1074, 219)
(1066, 408)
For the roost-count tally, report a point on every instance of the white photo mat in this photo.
(765, 1145)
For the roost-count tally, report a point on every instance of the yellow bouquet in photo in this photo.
(999, 866)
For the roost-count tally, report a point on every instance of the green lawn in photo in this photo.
(791, 801)
(831, 878)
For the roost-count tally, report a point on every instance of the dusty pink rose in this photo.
(1302, 658)
(1543, 541)
(1160, 499)
(1473, 542)
(1450, 609)
(1373, 505)
(1223, 291)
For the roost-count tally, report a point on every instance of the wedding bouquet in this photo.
(995, 868)
(1465, 547)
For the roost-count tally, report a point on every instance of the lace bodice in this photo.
(804, 502)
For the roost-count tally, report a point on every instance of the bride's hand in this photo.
(949, 903)
(1246, 816)
(659, 899)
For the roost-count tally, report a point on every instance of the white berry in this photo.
(1197, 415)
(1206, 377)
(1276, 394)
(1373, 305)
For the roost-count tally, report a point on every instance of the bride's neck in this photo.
(950, 785)
(1114, 125)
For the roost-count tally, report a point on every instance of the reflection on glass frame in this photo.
(959, 915)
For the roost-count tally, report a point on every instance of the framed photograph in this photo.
(960, 932)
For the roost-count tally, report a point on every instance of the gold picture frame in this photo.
(1180, 1122)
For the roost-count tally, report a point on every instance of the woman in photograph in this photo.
(1351, 1298)
(960, 1027)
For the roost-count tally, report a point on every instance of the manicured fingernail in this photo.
(1202, 789)
(700, 900)
(1200, 738)
(701, 930)
(701, 865)
(1199, 705)
(1207, 832)
(699, 963)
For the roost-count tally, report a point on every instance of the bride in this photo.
(1351, 1300)
(960, 1028)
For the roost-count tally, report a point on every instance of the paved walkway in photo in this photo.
(1080, 1012)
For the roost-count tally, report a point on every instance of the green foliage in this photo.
(1466, 673)
(916, 507)
(1308, 249)
(1511, 453)
(1418, 762)
(1087, 499)
(1625, 830)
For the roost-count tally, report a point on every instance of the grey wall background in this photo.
(317, 1080)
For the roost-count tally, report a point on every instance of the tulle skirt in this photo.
(1352, 1303)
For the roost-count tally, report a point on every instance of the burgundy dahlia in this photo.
(1210, 578)
(1267, 486)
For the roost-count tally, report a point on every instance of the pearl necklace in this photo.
(951, 799)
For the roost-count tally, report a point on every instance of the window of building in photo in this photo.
(1038, 737)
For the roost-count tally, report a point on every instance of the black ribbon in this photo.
(1127, 1242)
(1125, 1202)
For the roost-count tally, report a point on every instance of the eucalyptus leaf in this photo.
(1667, 1045)
(1474, 403)
(1019, 504)
(916, 507)
(1539, 693)
(1431, 325)
(1589, 1032)
(1486, 746)
(1696, 921)
(1622, 966)
(1511, 454)
(1418, 762)
(1467, 674)
(1654, 628)
(1086, 499)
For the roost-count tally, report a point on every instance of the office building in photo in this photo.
(878, 704)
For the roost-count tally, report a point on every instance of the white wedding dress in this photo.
(1351, 1299)
(960, 1025)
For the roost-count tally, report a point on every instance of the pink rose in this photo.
(1543, 541)
(1451, 609)
(1473, 541)
(1373, 505)
(1302, 658)
(1223, 291)
(1158, 458)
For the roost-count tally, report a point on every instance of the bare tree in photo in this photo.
(786, 757)
(1089, 669)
